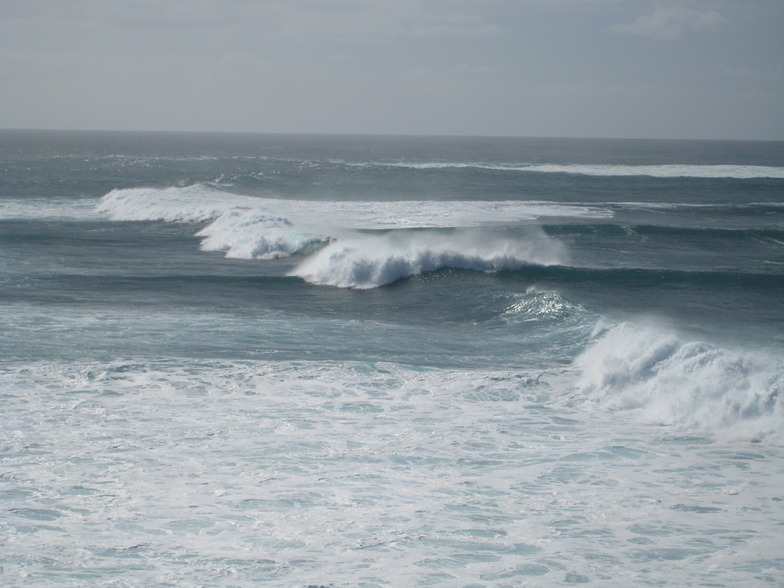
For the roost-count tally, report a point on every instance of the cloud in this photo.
(668, 22)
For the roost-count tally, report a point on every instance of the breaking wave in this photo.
(735, 394)
(369, 261)
(266, 228)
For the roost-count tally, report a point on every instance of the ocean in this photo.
(293, 360)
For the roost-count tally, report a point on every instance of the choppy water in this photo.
(234, 360)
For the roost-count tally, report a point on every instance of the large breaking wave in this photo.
(357, 244)
(368, 261)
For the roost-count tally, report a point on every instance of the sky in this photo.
(696, 69)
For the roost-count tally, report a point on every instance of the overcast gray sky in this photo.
(710, 69)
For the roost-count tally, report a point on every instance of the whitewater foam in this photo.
(200, 202)
(667, 380)
(191, 204)
(249, 234)
(301, 473)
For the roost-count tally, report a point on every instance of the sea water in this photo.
(234, 360)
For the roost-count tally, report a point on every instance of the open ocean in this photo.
(235, 360)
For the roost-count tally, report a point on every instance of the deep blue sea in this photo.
(289, 360)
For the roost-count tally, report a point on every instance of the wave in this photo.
(266, 228)
(369, 261)
(736, 394)
(196, 203)
(730, 171)
(200, 202)
(248, 234)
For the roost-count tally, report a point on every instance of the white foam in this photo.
(307, 473)
(671, 381)
(368, 261)
(604, 170)
(200, 203)
(196, 203)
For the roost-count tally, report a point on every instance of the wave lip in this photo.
(369, 261)
(690, 384)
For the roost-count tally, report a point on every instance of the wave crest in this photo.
(369, 261)
(190, 204)
(669, 381)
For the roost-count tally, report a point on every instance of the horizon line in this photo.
(380, 135)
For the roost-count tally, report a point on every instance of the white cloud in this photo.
(668, 22)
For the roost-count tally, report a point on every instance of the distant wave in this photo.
(670, 381)
(608, 170)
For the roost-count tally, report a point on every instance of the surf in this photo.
(667, 379)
